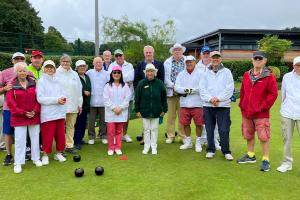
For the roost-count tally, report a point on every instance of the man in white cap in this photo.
(216, 88)
(187, 85)
(128, 77)
(290, 112)
(99, 77)
(173, 66)
(6, 78)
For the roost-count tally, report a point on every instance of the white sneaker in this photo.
(118, 152)
(59, 157)
(17, 169)
(210, 155)
(169, 140)
(92, 141)
(218, 147)
(127, 138)
(284, 167)
(45, 160)
(110, 152)
(198, 146)
(145, 151)
(187, 144)
(154, 152)
(104, 141)
(38, 163)
(228, 157)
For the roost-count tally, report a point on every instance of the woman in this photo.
(52, 98)
(80, 125)
(116, 101)
(150, 104)
(71, 84)
(25, 114)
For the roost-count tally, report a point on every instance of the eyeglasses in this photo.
(258, 58)
(19, 58)
(116, 72)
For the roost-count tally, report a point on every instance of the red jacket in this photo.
(258, 96)
(20, 101)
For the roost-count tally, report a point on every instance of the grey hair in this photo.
(106, 51)
(20, 65)
(149, 46)
(65, 57)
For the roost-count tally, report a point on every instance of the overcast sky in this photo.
(75, 18)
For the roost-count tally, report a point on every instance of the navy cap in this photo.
(260, 54)
(205, 49)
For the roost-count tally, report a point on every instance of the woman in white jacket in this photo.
(116, 101)
(53, 112)
(70, 82)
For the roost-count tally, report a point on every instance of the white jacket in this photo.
(290, 89)
(71, 83)
(200, 66)
(128, 74)
(220, 85)
(48, 91)
(116, 96)
(169, 84)
(186, 80)
(98, 81)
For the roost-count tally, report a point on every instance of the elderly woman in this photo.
(52, 98)
(80, 125)
(116, 100)
(25, 114)
(150, 104)
(70, 82)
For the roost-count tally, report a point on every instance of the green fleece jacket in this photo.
(151, 98)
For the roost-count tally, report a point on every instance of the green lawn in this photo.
(172, 174)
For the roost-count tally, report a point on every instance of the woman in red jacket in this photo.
(25, 114)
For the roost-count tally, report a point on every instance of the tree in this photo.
(18, 16)
(133, 36)
(85, 48)
(292, 29)
(274, 47)
(54, 41)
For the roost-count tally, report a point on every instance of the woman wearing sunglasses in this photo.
(116, 101)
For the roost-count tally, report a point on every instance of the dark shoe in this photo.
(78, 147)
(71, 150)
(246, 159)
(2, 149)
(8, 160)
(265, 166)
(27, 156)
(83, 142)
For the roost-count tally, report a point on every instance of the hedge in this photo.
(237, 67)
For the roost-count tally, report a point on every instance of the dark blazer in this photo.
(140, 75)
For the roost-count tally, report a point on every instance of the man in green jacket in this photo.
(150, 104)
(37, 59)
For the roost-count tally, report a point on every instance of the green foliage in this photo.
(275, 71)
(133, 36)
(54, 41)
(238, 67)
(83, 48)
(274, 47)
(293, 29)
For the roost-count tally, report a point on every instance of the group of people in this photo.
(44, 103)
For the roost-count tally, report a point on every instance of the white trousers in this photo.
(203, 139)
(20, 143)
(150, 133)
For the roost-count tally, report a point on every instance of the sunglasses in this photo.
(118, 55)
(116, 72)
(19, 58)
(258, 58)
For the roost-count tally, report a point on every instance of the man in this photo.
(257, 95)
(149, 58)
(99, 77)
(203, 65)
(107, 59)
(6, 78)
(187, 85)
(37, 59)
(290, 112)
(173, 66)
(216, 88)
(128, 77)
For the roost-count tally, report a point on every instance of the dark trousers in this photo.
(80, 126)
(94, 111)
(221, 115)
